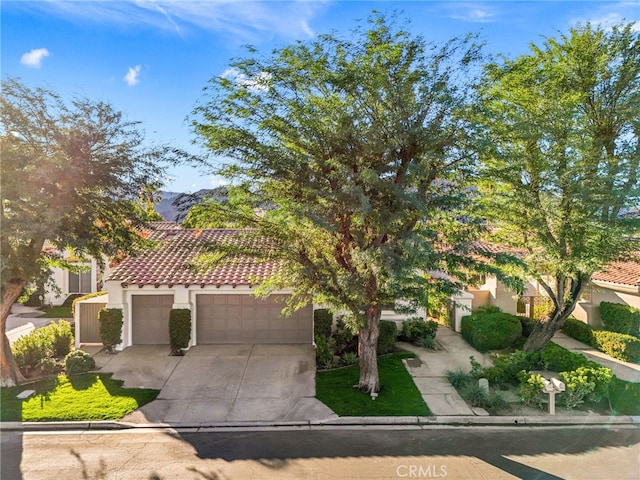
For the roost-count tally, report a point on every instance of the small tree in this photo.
(560, 160)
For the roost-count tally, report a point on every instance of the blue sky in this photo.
(151, 59)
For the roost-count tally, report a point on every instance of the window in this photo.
(80, 282)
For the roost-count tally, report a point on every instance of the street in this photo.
(326, 453)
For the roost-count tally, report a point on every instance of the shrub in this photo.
(350, 358)
(416, 328)
(578, 330)
(110, 327)
(585, 384)
(29, 351)
(425, 342)
(528, 324)
(491, 331)
(84, 297)
(324, 351)
(459, 378)
(507, 366)
(488, 309)
(387, 336)
(620, 318)
(322, 322)
(51, 366)
(78, 361)
(531, 386)
(179, 329)
(60, 335)
(558, 359)
(618, 345)
(68, 302)
(344, 338)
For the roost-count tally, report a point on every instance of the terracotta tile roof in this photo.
(170, 261)
(624, 273)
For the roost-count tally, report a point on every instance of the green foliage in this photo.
(415, 329)
(531, 386)
(322, 322)
(563, 118)
(179, 329)
(60, 335)
(84, 297)
(344, 338)
(620, 318)
(459, 378)
(559, 359)
(488, 309)
(388, 336)
(350, 358)
(425, 342)
(507, 366)
(624, 397)
(343, 138)
(78, 361)
(111, 321)
(528, 324)
(617, 345)
(578, 330)
(491, 331)
(324, 351)
(585, 384)
(29, 351)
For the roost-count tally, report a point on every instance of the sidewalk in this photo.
(629, 372)
(429, 372)
(23, 320)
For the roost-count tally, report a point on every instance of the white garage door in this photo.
(247, 319)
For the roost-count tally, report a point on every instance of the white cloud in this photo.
(621, 13)
(473, 12)
(610, 19)
(256, 83)
(243, 20)
(34, 58)
(132, 76)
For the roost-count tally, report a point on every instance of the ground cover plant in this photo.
(398, 395)
(618, 345)
(92, 396)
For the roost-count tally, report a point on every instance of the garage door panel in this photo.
(150, 319)
(246, 319)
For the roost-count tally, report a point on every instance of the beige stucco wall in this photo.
(588, 311)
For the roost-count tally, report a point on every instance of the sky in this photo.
(151, 59)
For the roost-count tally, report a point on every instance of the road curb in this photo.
(341, 422)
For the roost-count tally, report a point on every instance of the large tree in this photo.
(354, 150)
(72, 174)
(560, 155)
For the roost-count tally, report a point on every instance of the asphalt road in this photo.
(362, 453)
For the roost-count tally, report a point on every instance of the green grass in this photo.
(57, 312)
(398, 394)
(624, 397)
(91, 396)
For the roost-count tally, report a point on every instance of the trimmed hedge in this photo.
(322, 322)
(78, 361)
(620, 318)
(559, 359)
(415, 329)
(111, 321)
(179, 329)
(85, 297)
(387, 336)
(578, 330)
(491, 331)
(617, 345)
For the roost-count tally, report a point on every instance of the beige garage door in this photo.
(246, 319)
(150, 319)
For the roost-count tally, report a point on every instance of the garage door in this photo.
(150, 319)
(246, 319)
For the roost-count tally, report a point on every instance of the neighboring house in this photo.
(618, 283)
(66, 282)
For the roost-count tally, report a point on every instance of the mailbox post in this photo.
(552, 387)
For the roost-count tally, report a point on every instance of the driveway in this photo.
(214, 384)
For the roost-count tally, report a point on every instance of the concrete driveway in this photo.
(221, 383)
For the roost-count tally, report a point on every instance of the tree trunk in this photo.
(10, 374)
(368, 349)
(544, 331)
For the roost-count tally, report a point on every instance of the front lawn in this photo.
(624, 397)
(57, 312)
(398, 394)
(91, 396)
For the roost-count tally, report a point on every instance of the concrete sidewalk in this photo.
(23, 320)
(629, 372)
(429, 372)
